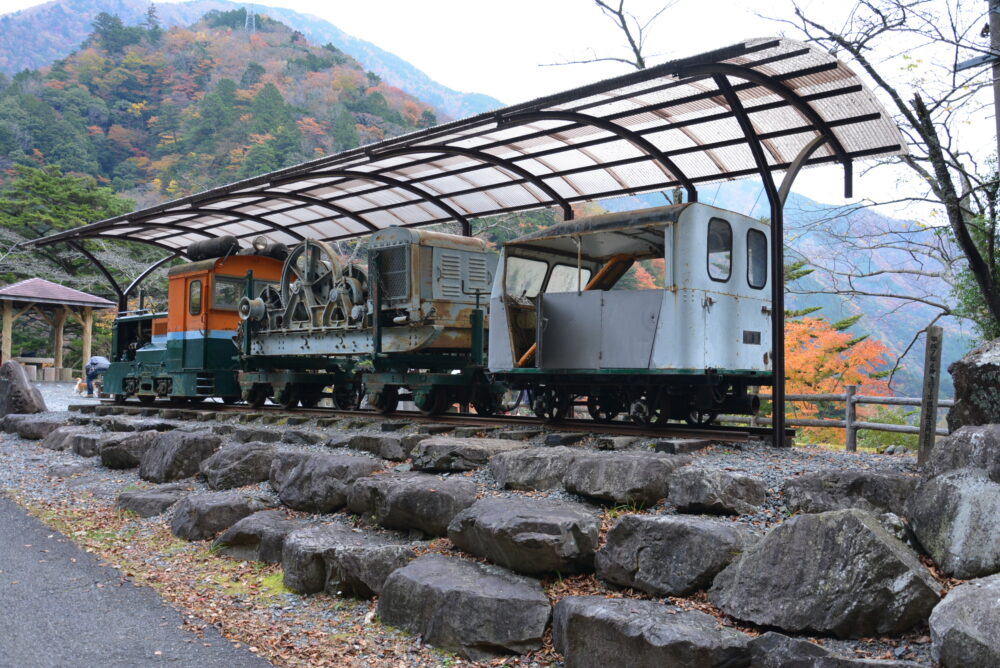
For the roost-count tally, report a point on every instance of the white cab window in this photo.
(525, 277)
(720, 250)
(756, 259)
(564, 279)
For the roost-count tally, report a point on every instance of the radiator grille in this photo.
(395, 274)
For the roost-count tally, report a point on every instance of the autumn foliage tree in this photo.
(824, 358)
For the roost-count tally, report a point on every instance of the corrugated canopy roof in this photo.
(679, 124)
(38, 290)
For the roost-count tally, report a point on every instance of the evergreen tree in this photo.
(112, 34)
(252, 74)
(345, 131)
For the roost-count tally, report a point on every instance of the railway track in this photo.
(670, 430)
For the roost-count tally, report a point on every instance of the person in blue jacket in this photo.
(97, 366)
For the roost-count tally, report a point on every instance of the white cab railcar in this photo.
(565, 326)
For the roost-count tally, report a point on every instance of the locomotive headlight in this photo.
(260, 243)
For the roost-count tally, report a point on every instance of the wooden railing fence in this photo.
(851, 399)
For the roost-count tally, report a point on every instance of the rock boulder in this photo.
(386, 447)
(317, 482)
(969, 447)
(965, 626)
(412, 500)
(622, 477)
(17, 394)
(670, 555)
(529, 535)
(598, 632)
(956, 517)
(478, 611)
(697, 490)
(62, 437)
(533, 468)
(177, 454)
(977, 387)
(258, 537)
(125, 451)
(446, 453)
(151, 502)
(238, 464)
(839, 489)
(201, 516)
(37, 427)
(839, 573)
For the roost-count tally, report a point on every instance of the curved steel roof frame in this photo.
(664, 127)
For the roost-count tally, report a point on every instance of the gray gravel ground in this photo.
(24, 467)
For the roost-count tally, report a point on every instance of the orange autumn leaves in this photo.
(820, 359)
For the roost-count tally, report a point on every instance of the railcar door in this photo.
(719, 301)
(195, 332)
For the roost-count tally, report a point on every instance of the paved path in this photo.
(55, 612)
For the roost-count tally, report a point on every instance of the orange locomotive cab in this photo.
(191, 353)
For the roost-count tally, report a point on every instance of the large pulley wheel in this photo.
(385, 400)
(309, 282)
(551, 405)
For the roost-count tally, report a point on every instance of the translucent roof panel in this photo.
(680, 124)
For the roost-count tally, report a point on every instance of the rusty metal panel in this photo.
(630, 320)
(569, 330)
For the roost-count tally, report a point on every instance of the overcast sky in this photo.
(498, 48)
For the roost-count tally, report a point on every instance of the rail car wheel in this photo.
(146, 399)
(605, 406)
(490, 403)
(385, 400)
(701, 418)
(257, 396)
(288, 398)
(346, 397)
(432, 401)
(118, 398)
(229, 401)
(643, 411)
(551, 405)
(311, 400)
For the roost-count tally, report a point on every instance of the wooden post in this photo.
(8, 328)
(850, 417)
(59, 330)
(88, 335)
(929, 401)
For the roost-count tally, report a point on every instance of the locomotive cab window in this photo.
(720, 250)
(564, 279)
(525, 277)
(227, 293)
(194, 297)
(756, 259)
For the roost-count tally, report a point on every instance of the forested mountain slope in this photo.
(35, 37)
(162, 113)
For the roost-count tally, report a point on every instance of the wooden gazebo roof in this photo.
(40, 291)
